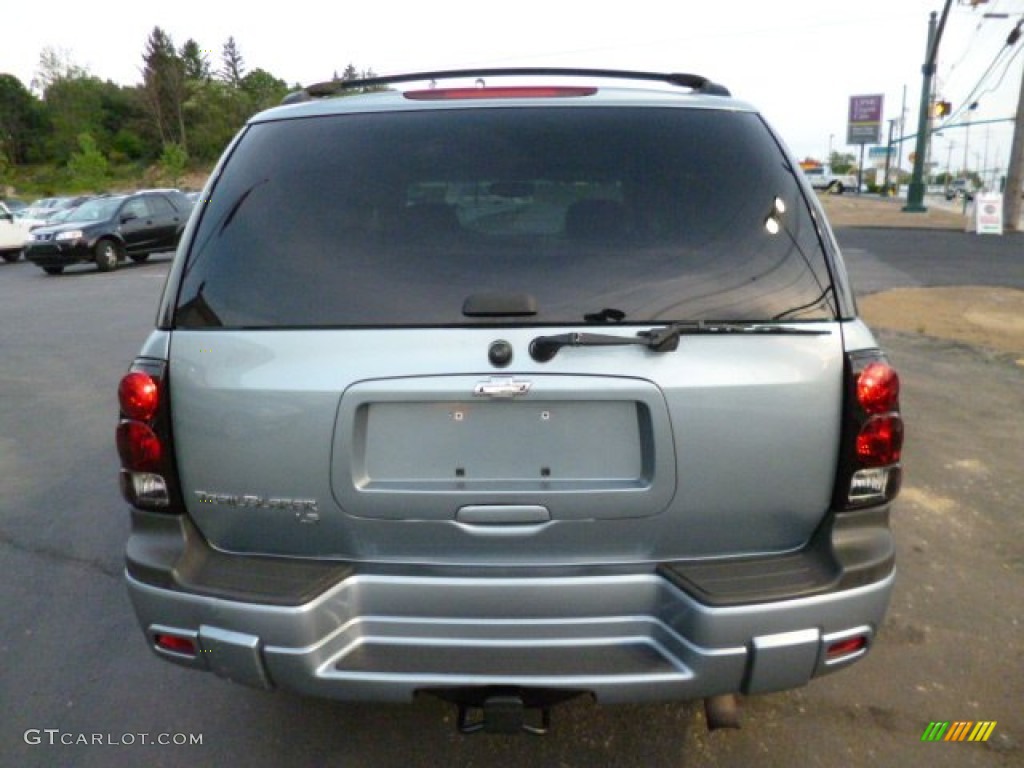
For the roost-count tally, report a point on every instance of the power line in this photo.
(1011, 40)
(975, 41)
(1002, 76)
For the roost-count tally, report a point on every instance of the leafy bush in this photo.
(88, 167)
(172, 163)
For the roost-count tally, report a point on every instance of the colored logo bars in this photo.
(959, 730)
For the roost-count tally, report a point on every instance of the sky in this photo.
(798, 61)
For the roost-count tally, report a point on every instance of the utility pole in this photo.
(949, 160)
(915, 196)
(1015, 173)
(887, 187)
(903, 130)
(967, 138)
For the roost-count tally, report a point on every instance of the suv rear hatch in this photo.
(351, 364)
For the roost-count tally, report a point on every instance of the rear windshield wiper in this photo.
(666, 339)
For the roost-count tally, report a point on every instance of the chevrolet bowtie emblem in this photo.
(501, 387)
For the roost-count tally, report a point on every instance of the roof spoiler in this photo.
(695, 83)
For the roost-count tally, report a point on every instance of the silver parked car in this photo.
(511, 386)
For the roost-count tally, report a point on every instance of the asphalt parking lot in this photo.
(73, 664)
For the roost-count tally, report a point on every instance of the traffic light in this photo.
(941, 108)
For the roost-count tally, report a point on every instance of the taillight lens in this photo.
(138, 446)
(143, 437)
(878, 388)
(138, 396)
(870, 471)
(880, 441)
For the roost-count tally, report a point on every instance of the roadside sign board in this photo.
(988, 214)
(865, 119)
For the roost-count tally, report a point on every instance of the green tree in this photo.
(21, 121)
(234, 65)
(73, 106)
(56, 64)
(173, 161)
(195, 61)
(211, 112)
(263, 89)
(843, 162)
(232, 74)
(88, 167)
(128, 146)
(351, 73)
(127, 135)
(163, 84)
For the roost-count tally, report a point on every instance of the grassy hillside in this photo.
(29, 182)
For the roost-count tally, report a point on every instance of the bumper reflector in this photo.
(850, 645)
(186, 646)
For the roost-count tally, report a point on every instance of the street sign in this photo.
(865, 119)
(878, 153)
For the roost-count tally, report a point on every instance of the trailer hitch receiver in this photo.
(504, 710)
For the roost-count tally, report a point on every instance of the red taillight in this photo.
(138, 396)
(504, 92)
(880, 441)
(143, 439)
(869, 471)
(878, 388)
(138, 446)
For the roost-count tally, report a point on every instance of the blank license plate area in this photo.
(503, 443)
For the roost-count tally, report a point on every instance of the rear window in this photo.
(396, 218)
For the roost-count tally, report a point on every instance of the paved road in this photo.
(72, 659)
(879, 259)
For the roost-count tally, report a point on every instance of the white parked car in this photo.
(822, 178)
(13, 235)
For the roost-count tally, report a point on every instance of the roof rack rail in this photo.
(697, 83)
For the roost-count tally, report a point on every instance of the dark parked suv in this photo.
(106, 230)
(511, 386)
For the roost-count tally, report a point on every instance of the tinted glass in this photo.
(160, 205)
(396, 218)
(96, 210)
(136, 207)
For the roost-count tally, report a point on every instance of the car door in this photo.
(136, 225)
(12, 234)
(167, 222)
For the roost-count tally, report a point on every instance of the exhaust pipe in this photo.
(722, 711)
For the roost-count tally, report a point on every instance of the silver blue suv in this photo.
(510, 386)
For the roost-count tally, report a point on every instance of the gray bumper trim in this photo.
(623, 637)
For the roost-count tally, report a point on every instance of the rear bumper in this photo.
(623, 636)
